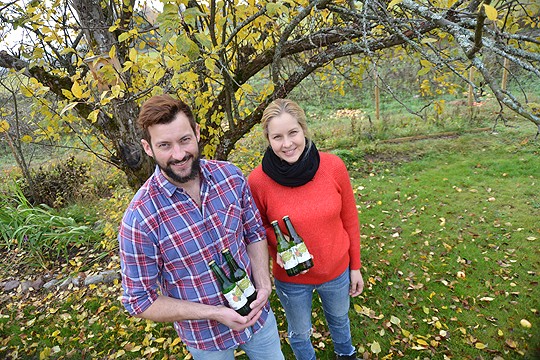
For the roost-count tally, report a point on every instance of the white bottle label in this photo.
(289, 259)
(246, 285)
(236, 298)
(301, 252)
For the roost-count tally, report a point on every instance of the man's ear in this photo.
(198, 132)
(147, 148)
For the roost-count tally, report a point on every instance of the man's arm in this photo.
(167, 309)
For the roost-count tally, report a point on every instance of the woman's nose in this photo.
(286, 141)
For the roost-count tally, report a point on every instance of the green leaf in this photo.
(187, 47)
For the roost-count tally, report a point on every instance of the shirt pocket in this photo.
(231, 229)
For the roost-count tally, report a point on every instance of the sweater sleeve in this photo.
(349, 214)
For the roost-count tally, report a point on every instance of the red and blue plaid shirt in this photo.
(166, 242)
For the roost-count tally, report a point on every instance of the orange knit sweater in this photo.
(324, 214)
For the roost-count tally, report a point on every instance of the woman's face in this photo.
(286, 137)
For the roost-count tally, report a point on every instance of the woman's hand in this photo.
(357, 283)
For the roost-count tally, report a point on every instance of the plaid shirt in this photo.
(166, 242)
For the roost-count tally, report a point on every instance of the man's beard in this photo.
(195, 168)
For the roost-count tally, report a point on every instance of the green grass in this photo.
(450, 255)
(469, 209)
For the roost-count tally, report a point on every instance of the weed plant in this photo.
(37, 235)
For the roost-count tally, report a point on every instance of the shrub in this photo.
(58, 185)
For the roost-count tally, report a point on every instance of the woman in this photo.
(313, 188)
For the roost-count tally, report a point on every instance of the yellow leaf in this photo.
(112, 52)
(500, 332)
(491, 12)
(358, 308)
(525, 323)
(123, 37)
(176, 341)
(394, 3)
(26, 139)
(160, 340)
(93, 116)
(76, 90)
(479, 345)
(4, 126)
(394, 320)
(67, 94)
(422, 342)
(375, 347)
(428, 40)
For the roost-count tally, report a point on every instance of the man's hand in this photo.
(234, 320)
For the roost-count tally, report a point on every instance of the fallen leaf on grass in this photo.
(375, 347)
(525, 323)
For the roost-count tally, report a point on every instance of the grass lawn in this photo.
(450, 253)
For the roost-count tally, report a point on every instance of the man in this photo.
(184, 215)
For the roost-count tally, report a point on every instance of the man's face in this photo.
(175, 148)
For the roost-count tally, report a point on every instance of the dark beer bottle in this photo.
(303, 256)
(232, 292)
(285, 250)
(240, 277)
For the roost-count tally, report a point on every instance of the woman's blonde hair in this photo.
(281, 106)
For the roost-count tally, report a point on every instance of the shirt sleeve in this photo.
(251, 217)
(139, 261)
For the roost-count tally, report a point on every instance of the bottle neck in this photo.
(290, 228)
(279, 234)
(231, 262)
(219, 274)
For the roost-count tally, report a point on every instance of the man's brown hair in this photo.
(162, 109)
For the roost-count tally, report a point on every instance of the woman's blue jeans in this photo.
(296, 299)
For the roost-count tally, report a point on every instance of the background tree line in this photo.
(88, 65)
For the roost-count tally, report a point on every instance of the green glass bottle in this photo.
(285, 250)
(234, 295)
(240, 277)
(303, 256)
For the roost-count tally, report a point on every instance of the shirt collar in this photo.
(169, 188)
